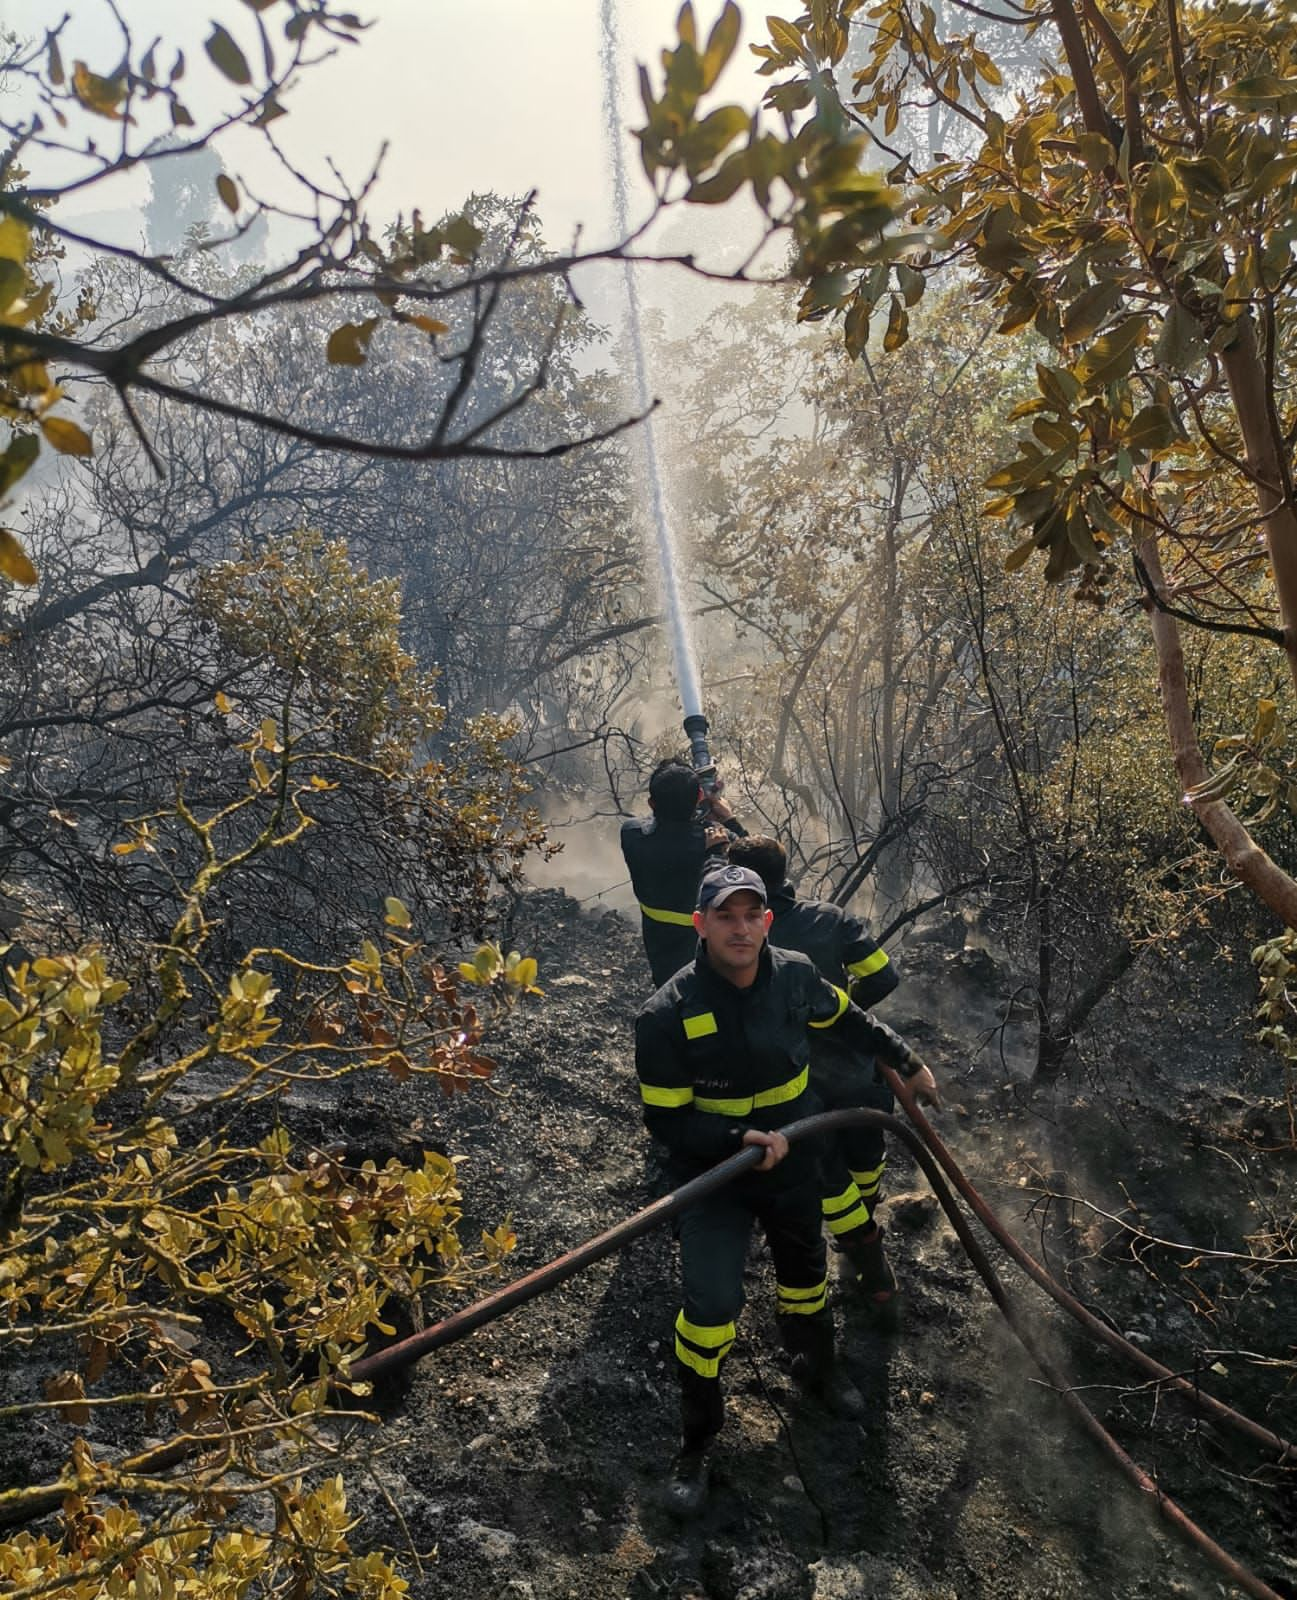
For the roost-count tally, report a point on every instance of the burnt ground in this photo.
(528, 1461)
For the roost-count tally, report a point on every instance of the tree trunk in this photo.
(1246, 859)
(1250, 392)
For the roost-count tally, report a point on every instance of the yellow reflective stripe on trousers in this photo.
(845, 1211)
(652, 1095)
(715, 1343)
(801, 1302)
(844, 1001)
(778, 1096)
(869, 1181)
(869, 965)
(857, 1217)
(704, 1366)
(681, 919)
(708, 1338)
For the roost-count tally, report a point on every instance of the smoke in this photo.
(589, 867)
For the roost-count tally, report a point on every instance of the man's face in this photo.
(735, 930)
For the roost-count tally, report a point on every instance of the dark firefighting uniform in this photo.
(665, 857)
(713, 1061)
(853, 1161)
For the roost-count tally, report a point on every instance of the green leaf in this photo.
(1019, 555)
(396, 915)
(1152, 428)
(910, 282)
(22, 451)
(1088, 312)
(1112, 356)
(226, 56)
(1180, 344)
(348, 344)
(462, 236)
(785, 36)
(1155, 199)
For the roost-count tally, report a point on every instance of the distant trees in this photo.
(903, 712)
(1136, 211)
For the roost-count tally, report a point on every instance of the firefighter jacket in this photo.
(666, 858)
(835, 941)
(715, 1060)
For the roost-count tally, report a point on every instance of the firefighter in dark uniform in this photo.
(721, 1052)
(854, 1161)
(666, 854)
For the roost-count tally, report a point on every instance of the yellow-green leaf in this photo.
(67, 437)
(14, 562)
(100, 95)
(15, 239)
(397, 916)
(898, 326)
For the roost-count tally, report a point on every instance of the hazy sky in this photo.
(469, 94)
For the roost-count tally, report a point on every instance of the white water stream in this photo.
(664, 540)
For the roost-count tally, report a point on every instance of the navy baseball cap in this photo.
(719, 884)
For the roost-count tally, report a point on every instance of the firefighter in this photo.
(721, 1053)
(854, 1161)
(666, 854)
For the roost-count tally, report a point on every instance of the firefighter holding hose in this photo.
(721, 1052)
(666, 853)
(853, 1161)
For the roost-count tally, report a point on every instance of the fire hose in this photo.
(931, 1160)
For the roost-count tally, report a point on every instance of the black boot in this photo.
(702, 1414)
(863, 1250)
(686, 1490)
(816, 1370)
(829, 1384)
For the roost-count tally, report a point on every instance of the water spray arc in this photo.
(682, 651)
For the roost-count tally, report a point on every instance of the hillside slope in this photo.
(528, 1460)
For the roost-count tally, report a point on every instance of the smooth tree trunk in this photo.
(1246, 859)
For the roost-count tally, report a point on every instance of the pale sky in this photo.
(470, 94)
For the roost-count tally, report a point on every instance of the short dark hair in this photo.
(673, 789)
(763, 855)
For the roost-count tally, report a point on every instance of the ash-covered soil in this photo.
(528, 1461)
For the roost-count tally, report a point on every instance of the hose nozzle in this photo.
(699, 755)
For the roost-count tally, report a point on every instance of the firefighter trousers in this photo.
(853, 1161)
(714, 1236)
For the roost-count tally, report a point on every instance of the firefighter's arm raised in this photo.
(862, 1031)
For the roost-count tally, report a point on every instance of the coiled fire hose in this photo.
(458, 1326)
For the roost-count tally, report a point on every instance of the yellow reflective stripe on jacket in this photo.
(844, 1001)
(653, 1095)
(870, 964)
(682, 919)
(781, 1093)
(700, 1026)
